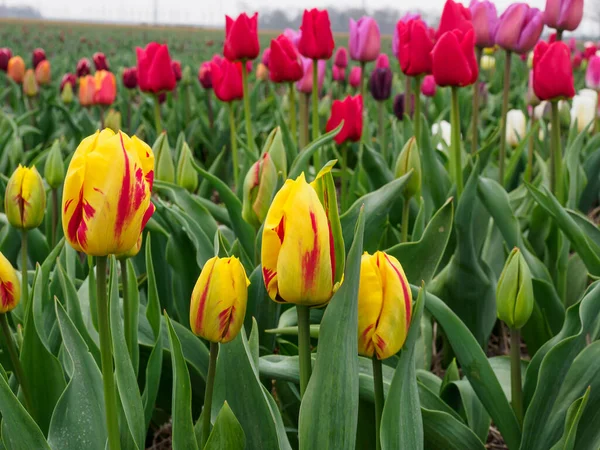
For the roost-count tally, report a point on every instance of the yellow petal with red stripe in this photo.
(25, 198)
(10, 288)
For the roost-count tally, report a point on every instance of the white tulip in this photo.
(583, 111)
(444, 130)
(516, 127)
(488, 62)
(540, 110)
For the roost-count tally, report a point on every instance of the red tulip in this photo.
(552, 71)
(241, 37)
(176, 66)
(5, 55)
(205, 75)
(83, 67)
(454, 17)
(38, 56)
(589, 50)
(284, 61)
(154, 68)
(577, 60)
(414, 47)
(453, 59)
(350, 111)
(227, 80)
(70, 79)
(100, 61)
(130, 78)
(316, 40)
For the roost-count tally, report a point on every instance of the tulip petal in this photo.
(370, 293)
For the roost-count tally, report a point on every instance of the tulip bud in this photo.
(67, 94)
(516, 127)
(42, 73)
(259, 187)
(100, 61)
(274, 146)
(16, 69)
(38, 56)
(408, 160)
(10, 287)
(428, 86)
(219, 299)
(355, 77)
(341, 58)
(186, 76)
(187, 177)
(399, 106)
(205, 75)
(176, 66)
(488, 63)
(130, 80)
(514, 294)
(380, 84)
(383, 61)
(25, 198)
(83, 67)
(262, 72)
(165, 168)
(584, 109)
(87, 88)
(5, 55)
(384, 306)
(113, 120)
(68, 78)
(30, 86)
(54, 170)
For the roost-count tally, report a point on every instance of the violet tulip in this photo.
(519, 28)
(484, 18)
(592, 74)
(365, 39)
(563, 14)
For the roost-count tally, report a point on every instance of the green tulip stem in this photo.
(515, 374)
(92, 290)
(14, 358)
(234, 155)
(381, 116)
(379, 397)
(292, 106)
(407, 80)
(475, 120)
(405, 219)
(54, 215)
(505, 93)
(417, 118)
(455, 157)
(530, 150)
(108, 376)
(157, 122)
(315, 112)
(559, 35)
(209, 108)
(208, 393)
(129, 339)
(304, 346)
(303, 120)
(555, 154)
(363, 79)
(24, 277)
(247, 114)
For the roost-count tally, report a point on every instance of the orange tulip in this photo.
(105, 87)
(16, 69)
(42, 72)
(87, 88)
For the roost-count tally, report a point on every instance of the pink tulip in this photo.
(355, 77)
(339, 73)
(341, 57)
(428, 86)
(563, 14)
(592, 74)
(484, 18)
(305, 83)
(519, 28)
(383, 62)
(365, 39)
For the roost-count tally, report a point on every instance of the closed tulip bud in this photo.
(154, 70)
(355, 77)
(259, 186)
(83, 67)
(316, 40)
(87, 88)
(25, 198)
(584, 109)
(274, 146)
(42, 73)
(488, 63)
(262, 72)
(563, 14)
(577, 60)
(187, 177)
(455, 16)
(37, 57)
(205, 75)
(67, 94)
(350, 111)
(165, 168)
(68, 78)
(589, 49)
(341, 58)
(130, 80)
(414, 47)
(113, 120)
(428, 86)
(305, 84)
(384, 306)
(453, 59)
(5, 55)
(383, 61)
(380, 84)
(338, 73)
(219, 299)
(227, 80)
(186, 76)
(16, 69)
(592, 74)
(54, 170)
(100, 61)
(365, 39)
(514, 294)
(106, 197)
(299, 247)
(10, 287)
(241, 37)
(30, 86)
(516, 127)
(399, 106)
(132, 251)
(176, 66)
(484, 18)
(105, 88)
(552, 71)
(408, 160)
(519, 28)
(284, 61)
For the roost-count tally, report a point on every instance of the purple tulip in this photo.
(383, 62)
(355, 77)
(484, 18)
(341, 58)
(365, 39)
(305, 84)
(592, 74)
(395, 38)
(380, 83)
(519, 28)
(563, 14)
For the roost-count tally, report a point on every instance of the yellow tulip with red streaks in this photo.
(10, 289)
(106, 196)
(25, 198)
(219, 300)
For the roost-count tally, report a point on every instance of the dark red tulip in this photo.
(285, 64)
(399, 106)
(205, 75)
(241, 37)
(455, 16)
(350, 111)
(130, 78)
(176, 66)
(453, 59)
(100, 61)
(227, 80)
(380, 83)
(5, 55)
(83, 67)
(552, 71)
(316, 40)
(69, 78)
(154, 70)
(38, 56)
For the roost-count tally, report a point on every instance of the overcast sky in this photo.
(212, 12)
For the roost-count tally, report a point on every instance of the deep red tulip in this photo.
(83, 67)
(316, 40)
(453, 59)
(414, 47)
(341, 57)
(176, 66)
(205, 75)
(130, 78)
(241, 37)
(227, 80)
(380, 83)
(349, 110)
(155, 73)
(5, 55)
(552, 71)
(285, 64)
(455, 16)
(68, 78)
(38, 56)
(100, 61)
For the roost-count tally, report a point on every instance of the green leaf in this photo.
(329, 408)
(183, 425)
(79, 419)
(227, 432)
(567, 442)
(134, 305)
(300, 164)
(401, 423)
(444, 432)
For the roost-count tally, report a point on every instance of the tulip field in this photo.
(294, 239)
